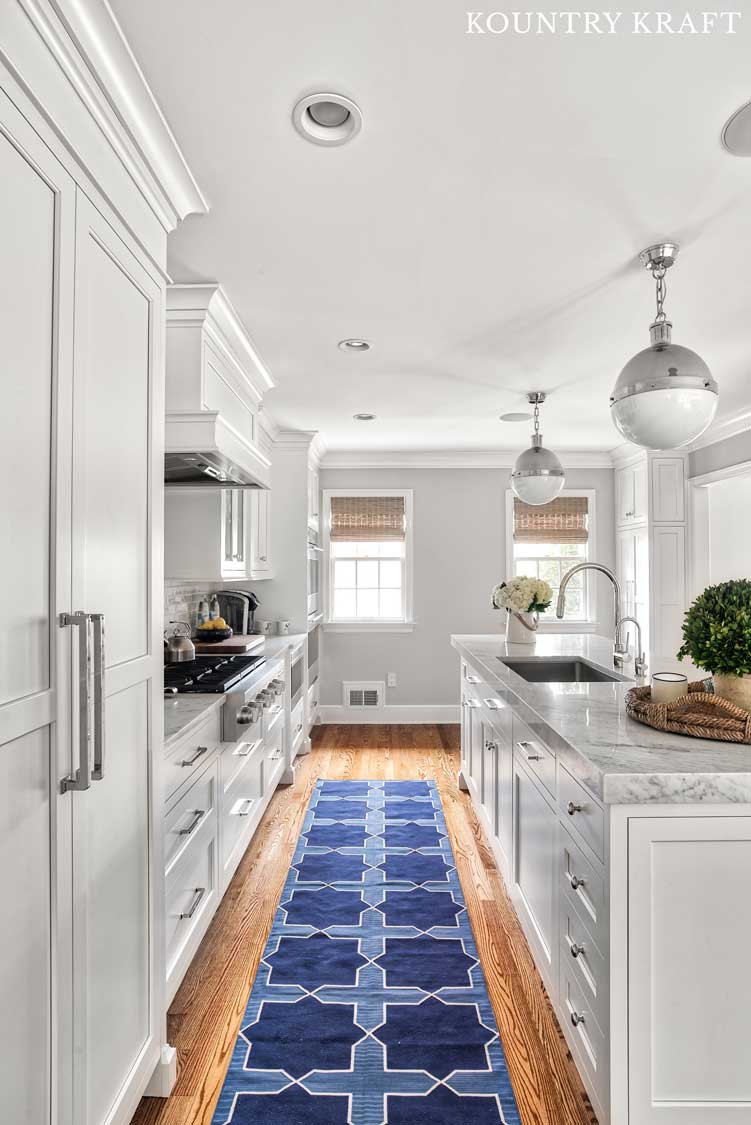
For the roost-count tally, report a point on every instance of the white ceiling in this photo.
(481, 230)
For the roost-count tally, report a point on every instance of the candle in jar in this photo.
(667, 686)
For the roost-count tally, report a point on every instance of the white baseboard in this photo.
(411, 713)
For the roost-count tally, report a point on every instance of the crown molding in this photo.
(88, 45)
(724, 428)
(206, 305)
(451, 459)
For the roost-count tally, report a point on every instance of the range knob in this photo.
(248, 714)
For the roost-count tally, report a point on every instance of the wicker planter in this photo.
(735, 688)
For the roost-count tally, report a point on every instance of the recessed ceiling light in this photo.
(515, 417)
(736, 134)
(364, 417)
(327, 119)
(354, 345)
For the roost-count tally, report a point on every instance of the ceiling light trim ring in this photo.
(327, 135)
(668, 383)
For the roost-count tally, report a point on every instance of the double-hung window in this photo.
(368, 545)
(546, 540)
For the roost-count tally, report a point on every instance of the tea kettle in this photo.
(179, 645)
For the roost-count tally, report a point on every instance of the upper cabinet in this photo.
(260, 534)
(631, 494)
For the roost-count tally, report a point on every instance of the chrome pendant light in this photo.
(665, 396)
(537, 476)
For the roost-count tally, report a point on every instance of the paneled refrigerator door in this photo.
(37, 224)
(117, 578)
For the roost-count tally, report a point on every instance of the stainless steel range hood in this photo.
(204, 451)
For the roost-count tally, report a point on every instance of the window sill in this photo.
(568, 626)
(369, 626)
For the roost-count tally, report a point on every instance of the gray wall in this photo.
(459, 555)
(720, 455)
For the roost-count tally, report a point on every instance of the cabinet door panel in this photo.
(689, 919)
(37, 232)
(111, 447)
(534, 871)
(117, 532)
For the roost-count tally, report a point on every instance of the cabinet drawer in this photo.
(191, 895)
(586, 817)
(585, 1032)
(274, 763)
(535, 755)
(191, 755)
(586, 962)
(297, 726)
(584, 888)
(239, 764)
(193, 815)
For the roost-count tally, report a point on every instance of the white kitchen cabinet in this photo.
(668, 601)
(668, 489)
(631, 494)
(260, 534)
(689, 928)
(533, 881)
(206, 533)
(38, 228)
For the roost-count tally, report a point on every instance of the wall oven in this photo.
(315, 569)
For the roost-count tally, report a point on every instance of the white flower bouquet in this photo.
(523, 595)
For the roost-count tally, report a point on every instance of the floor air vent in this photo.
(363, 695)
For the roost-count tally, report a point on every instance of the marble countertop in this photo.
(619, 760)
(182, 711)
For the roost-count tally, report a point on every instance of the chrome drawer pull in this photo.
(249, 748)
(199, 892)
(473, 703)
(494, 704)
(576, 881)
(571, 808)
(529, 757)
(248, 802)
(474, 680)
(577, 1018)
(198, 754)
(198, 815)
(576, 950)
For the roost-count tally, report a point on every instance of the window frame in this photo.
(591, 623)
(402, 624)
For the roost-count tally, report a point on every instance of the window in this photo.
(547, 540)
(368, 539)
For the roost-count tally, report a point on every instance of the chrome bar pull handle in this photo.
(200, 751)
(198, 815)
(199, 893)
(80, 780)
(97, 772)
(530, 757)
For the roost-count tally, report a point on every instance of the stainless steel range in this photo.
(254, 686)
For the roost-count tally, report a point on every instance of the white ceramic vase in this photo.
(521, 628)
(735, 688)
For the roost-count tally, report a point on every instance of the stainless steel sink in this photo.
(548, 670)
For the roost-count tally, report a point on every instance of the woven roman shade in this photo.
(356, 519)
(563, 520)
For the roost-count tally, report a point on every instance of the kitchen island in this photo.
(627, 854)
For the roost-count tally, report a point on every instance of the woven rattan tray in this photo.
(700, 714)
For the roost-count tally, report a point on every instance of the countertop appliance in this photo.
(238, 608)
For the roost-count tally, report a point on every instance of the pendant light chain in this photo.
(661, 289)
(537, 418)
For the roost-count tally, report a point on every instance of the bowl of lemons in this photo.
(212, 631)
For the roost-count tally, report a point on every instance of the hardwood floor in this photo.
(205, 1016)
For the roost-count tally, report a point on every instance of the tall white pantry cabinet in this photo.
(81, 445)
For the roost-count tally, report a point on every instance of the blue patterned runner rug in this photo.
(370, 1005)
